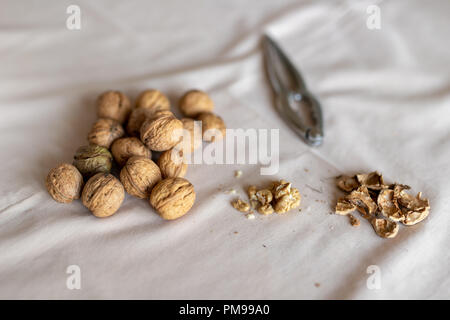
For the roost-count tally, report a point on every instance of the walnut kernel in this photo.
(240, 205)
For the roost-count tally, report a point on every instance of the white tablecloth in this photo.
(386, 103)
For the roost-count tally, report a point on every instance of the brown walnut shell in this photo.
(172, 197)
(139, 175)
(124, 148)
(162, 133)
(171, 163)
(104, 132)
(195, 102)
(213, 127)
(113, 105)
(64, 183)
(136, 119)
(103, 194)
(192, 137)
(154, 100)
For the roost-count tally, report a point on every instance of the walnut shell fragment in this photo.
(384, 228)
(344, 207)
(372, 180)
(124, 148)
(113, 105)
(415, 209)
(388, 206)
(347, 183)
(139, 175)
(172, 164)
(104, 132)
(172, 197)
(103, 194)
(64, 183)
(195, 102)
(162, 133)
(362, 200)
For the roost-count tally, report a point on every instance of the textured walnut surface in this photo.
(113, 105)
(92, 159)
(162, 133)
(172, 164)
(125, 148)
(194, 102)
(153, 100)
(172, 197)
(136, 119)
(104, 132)
(103, 194)
(192, 135)
(213, 127)
(139, 175)
(64, 183)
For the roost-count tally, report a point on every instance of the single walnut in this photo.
(103, 194)
(104, 132)
(137, 118)
(192, 134)
(162, 133)
(139, 175)
(124, 148)
(172, 197)
(113, 105)
(194, 102)
(213, 127)
(153, 100)
(172, 164)
(92, 159)
(64, 183)
(240, 205)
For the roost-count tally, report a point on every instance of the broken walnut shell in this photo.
(124, 148)
(139, 175)
(372, 180)
(172, 197)
(384, 227)
(104, 132)
(103, 194)
(64, 183)
(347, 183)
(389, 206)
(113, 105)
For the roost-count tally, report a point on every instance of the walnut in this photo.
(153, 100)
(213, 127)
(139, 175)
(172, 164)
(172, 197)
(92, 159)
(347, 183)
(240, 205)
(103, 194)
(192, 135)
(137, 118)
(162, 133)
(124, 148)
(362, 200)
(104, 132)
(384, 228)
(64, 183)
(281, 188)
(113, 105)
(194, 102)
(264, 196)
(415, 209)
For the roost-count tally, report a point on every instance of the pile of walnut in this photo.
(280, 197)
(150, 126)
(381, 204)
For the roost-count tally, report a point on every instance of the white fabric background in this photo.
(386, 100)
